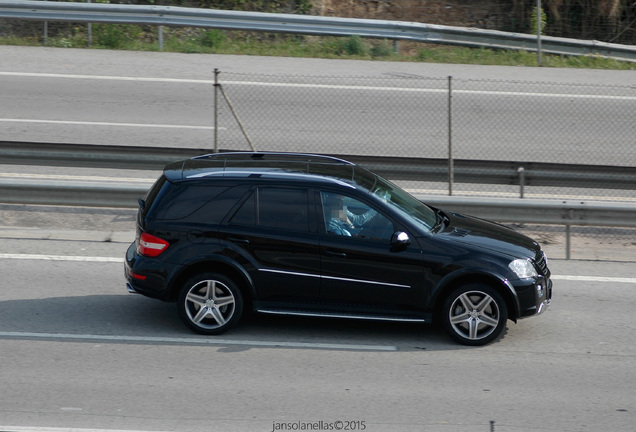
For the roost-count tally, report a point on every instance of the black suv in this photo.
(301, 234)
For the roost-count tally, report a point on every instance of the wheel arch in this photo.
(501, 284)
(220, 265)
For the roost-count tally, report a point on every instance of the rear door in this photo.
(273, 235)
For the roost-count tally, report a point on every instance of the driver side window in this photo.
(349, 217)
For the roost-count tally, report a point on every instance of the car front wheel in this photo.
(474, 314)
(210, 303)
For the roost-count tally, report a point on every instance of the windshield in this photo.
(405, 203)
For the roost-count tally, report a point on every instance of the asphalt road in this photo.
(329, 106)
(78, 351)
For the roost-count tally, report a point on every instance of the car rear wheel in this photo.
(210, 303)
(474, 314)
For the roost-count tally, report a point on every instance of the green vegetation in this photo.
(188, 40)
(534, 21)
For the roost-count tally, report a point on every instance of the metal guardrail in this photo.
(71, 193)
(305, 24)
(505, 210)
(125, 195)
(93, 156)
(395, 168)
(540, 211)
(521, 211)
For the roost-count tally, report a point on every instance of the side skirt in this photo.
(347, 315)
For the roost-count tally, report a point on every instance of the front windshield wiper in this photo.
(442, 219)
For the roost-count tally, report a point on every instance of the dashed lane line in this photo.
(44, 257)
(594, 279)
(196, 341)
(55, 429)
(107, 124)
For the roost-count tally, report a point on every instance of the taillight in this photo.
(137, 276)
(151, 246)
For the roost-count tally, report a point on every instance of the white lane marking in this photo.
(60, 258)
(430, 90)
(76, 177)
(594, 279)
(55, 429)
(109, 124)
(106, 77)
(323, 86)
(494, 194)
(204, 341)
(121, 260)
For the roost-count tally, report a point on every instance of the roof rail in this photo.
(275, 157)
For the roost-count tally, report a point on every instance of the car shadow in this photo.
(137, 319)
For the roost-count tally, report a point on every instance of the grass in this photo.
(187, 40)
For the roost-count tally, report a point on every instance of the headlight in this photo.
(523, 268)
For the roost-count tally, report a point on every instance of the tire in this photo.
(210, 303)
(474, 314)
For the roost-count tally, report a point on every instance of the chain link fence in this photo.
(522, 123)
(422, 117)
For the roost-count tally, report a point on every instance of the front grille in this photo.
(541, 263)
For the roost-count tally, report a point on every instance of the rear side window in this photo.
(204, 202)
(218, 207)
(159, 188)
(275, 208)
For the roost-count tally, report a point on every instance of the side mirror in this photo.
(400, 240)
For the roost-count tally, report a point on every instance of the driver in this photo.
(337, 221)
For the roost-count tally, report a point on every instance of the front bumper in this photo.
(534, 296)
(548, 298)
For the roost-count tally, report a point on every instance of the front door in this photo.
(360, 267)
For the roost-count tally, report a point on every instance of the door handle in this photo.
(239, 240)
(335, 254)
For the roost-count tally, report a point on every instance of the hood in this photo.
(484, 234)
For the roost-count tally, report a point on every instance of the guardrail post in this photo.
(160, 37)
(539, 33)
(451, 167)
(89, 31)
(522, 181)
(46, 30)
(568, 244)
(216, 110)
